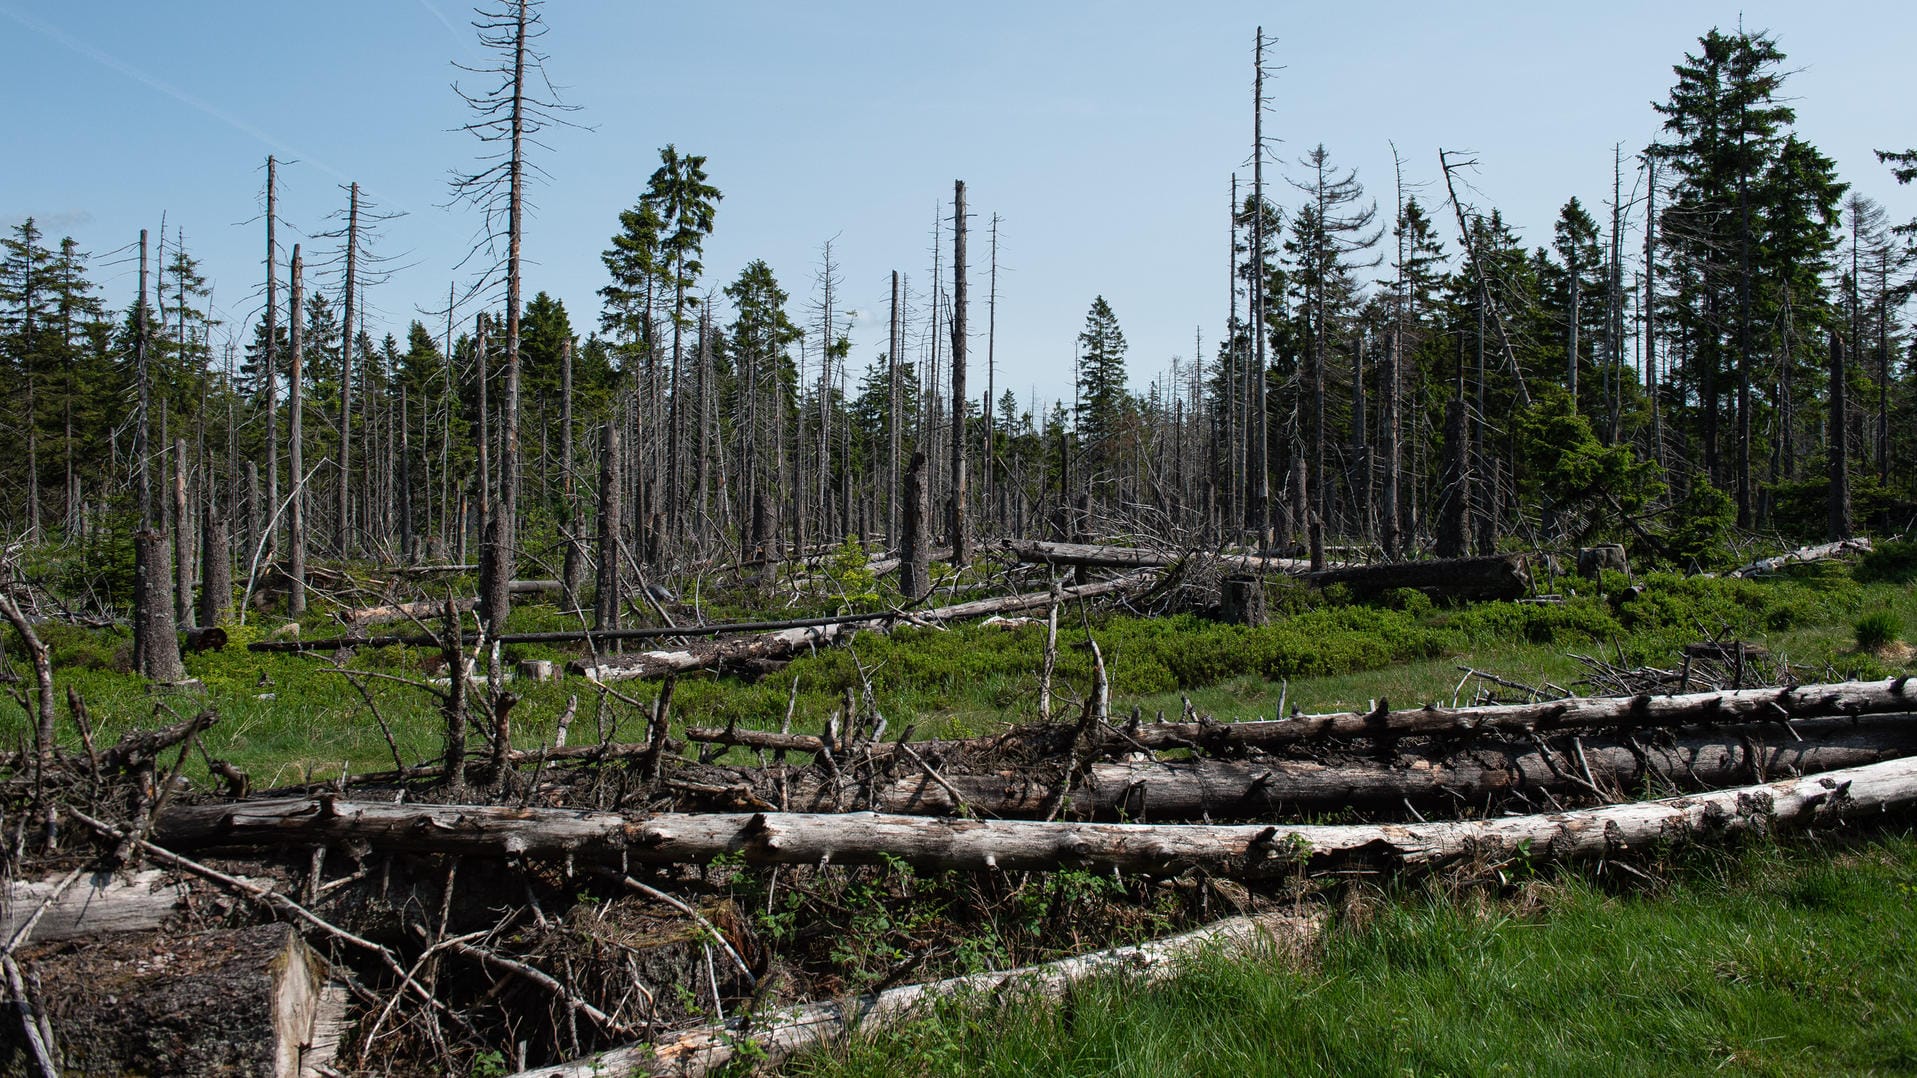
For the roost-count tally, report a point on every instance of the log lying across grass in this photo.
(788, 643)
(1040, 552)
(1463, 774)
(1820, 552)
(937, 844)
(768, 1038)
(1848, 699)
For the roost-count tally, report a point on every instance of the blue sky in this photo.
(1104, 134)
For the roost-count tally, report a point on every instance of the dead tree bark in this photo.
(270, 364)
(611, 513)
(1472, 772)
(295, 460)
(182, 537)
(961, 538)
(1839, 443)
(156, 645)
(1228, 850)
(216, 571)
(915, 571)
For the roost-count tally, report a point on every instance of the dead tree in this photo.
(295, 457)
(1839, 450)
(156, 645)
(915, 572)
(505, 114)
(343, 528)
(216, 570)
(611, 485)
(270, 362)
(961, 540)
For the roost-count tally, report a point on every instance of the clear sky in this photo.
(1105, 134)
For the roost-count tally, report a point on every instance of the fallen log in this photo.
(97, 905)
(1494, 576)
(787, 643)
(767, 1039)
(1041, 552)
(938, 844)
(1820, 552)
(1852, 699)
(390, 612)
(1261, 788)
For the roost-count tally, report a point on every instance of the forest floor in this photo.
(1770, 958)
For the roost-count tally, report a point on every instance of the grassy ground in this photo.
(1792, 959)
(288, 718)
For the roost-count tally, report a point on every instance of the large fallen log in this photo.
(1820, 552)
(97, 904)
(1855, 698)
(769, 1038)
(787, 643)
(1262, 788)
(938, 844)
(1041, 552)
(1494, 576)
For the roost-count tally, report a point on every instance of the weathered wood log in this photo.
(938, 844)
(390, 612)
(1494, 576)
(228, 1001)
(1043, 552)
(782, 645)
(1855, 698)
(772, 1037)
(1820, 552)
(1261, 788)
(98, 904)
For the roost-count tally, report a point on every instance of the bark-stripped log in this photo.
(775, 1036)
(1231, 850)
(97, 904)
(1041, 552)
(1892, 696)
(1465, 774)
(1820, 552)
(785, 644)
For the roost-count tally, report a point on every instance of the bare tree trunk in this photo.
(181, 538)
(961, 538)
(343, 526)
(216, 570)
(155, 639)
(611, 486)
(573, 572)
(915, 573)
(295, 458)
(270, 362)
(1839, 443)
(1258, 422)
(892, 491)
(1454, 513)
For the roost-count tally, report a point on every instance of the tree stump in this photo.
(1593, 560)
(1242, 601)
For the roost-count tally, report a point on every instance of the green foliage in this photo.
(1878, 629)
(1574, 474)
(1894, 562)
(850, 570)
(1700, 524)
(1777, 960)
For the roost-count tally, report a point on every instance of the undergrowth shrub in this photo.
(1894, 562)
(1877, 629)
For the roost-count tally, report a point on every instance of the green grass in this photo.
(1794, 959)
(285, 718)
